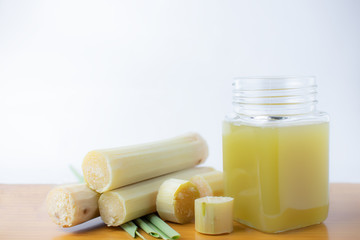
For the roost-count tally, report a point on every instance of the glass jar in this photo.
(276, 154)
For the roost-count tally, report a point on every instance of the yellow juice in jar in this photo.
(278, 175)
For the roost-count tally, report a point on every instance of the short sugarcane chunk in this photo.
(209, 184)
(175, 200)
(214, 215)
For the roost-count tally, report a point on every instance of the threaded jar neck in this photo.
(274, 96)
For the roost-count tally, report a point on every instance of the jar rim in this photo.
(274, 96)
(273, 82)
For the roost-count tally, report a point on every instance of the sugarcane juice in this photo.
(278, 175)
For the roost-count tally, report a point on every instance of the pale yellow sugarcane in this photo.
(214, 215)
(72, 204)
(209, 184)
(136, 200)
(108, 169)
(175, 200)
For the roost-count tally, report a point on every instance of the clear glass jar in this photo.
(276, 154)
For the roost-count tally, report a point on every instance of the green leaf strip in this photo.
(130, 228)
(143, 224)
(161, 233)
(77, 174)
(141, 236)
(161, 225)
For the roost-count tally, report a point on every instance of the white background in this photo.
(82, 75)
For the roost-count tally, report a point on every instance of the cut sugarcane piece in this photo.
(108, 169)
(209, 184)
(175, 200)
(214, 215)
(72, 204)
(130, 202)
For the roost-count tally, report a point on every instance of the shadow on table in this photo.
(88, 226)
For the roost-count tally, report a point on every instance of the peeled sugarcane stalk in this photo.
(72, 204)
(108, 169)
(175, 200)
(209, 184)
(214, 215)
(130, 202)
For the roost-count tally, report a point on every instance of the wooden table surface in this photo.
(23, 216)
